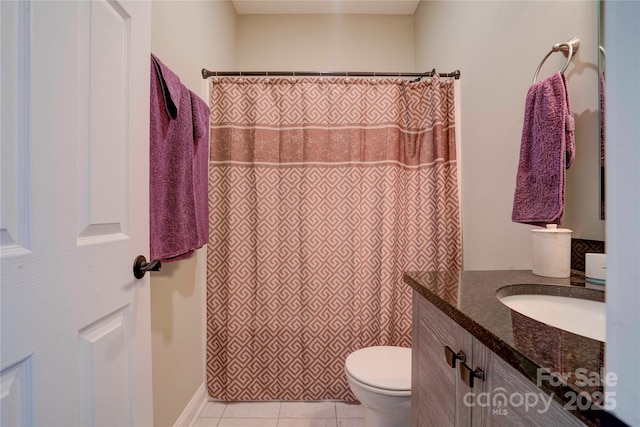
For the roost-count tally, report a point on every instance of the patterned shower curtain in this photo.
(322, 192)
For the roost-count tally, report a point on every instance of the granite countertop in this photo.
(470, 299)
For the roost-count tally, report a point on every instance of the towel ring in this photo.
(571, 46)
(604, 57)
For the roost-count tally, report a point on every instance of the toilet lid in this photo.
(381, 367)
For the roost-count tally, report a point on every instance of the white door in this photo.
(75, 343)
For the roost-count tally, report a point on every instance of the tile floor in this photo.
(280, 414)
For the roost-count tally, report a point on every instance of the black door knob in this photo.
(141, 266)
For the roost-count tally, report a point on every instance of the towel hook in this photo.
(568, 48)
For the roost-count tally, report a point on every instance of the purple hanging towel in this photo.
(547, 150)
(178, 199)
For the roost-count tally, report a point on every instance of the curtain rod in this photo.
(206, 74)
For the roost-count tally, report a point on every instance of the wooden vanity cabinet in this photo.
(435, 386)
(440, 395)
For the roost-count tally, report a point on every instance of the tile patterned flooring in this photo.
(280, 414)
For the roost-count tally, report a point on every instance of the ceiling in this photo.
(302, 7)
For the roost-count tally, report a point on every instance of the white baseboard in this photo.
(193, 408)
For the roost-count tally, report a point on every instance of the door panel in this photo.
(75, 152)
(15, 163)
(105, 367)
(102, 155)
(16, 395)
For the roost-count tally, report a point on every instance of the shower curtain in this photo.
(322, 192)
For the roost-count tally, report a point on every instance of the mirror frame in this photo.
(601, 93)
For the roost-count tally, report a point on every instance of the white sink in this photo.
(579, 316)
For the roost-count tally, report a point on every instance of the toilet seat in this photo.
(383, 368)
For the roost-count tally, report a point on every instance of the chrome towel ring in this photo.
(568, 48)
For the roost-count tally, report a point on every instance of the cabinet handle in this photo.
(451, 357)
(468, 375)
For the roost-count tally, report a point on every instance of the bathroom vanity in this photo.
(476, 362)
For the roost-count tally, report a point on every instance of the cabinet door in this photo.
(441, 398)
(482, 358)
(435, 384)
(512, 399)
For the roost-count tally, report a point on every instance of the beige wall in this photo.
(191, 35)
(325, 43)
(498, 46)
(187, 36)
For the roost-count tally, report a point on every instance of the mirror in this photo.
(584, 203)
(601, 91)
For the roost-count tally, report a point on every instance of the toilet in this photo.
(380, 378)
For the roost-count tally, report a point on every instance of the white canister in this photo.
(551, 251)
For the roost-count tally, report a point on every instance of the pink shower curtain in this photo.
(322, 192)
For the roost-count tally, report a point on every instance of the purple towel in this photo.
(547, 150)
(201, 113)
(178, 167)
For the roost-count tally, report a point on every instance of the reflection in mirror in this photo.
(601, 91)
(583, 189)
